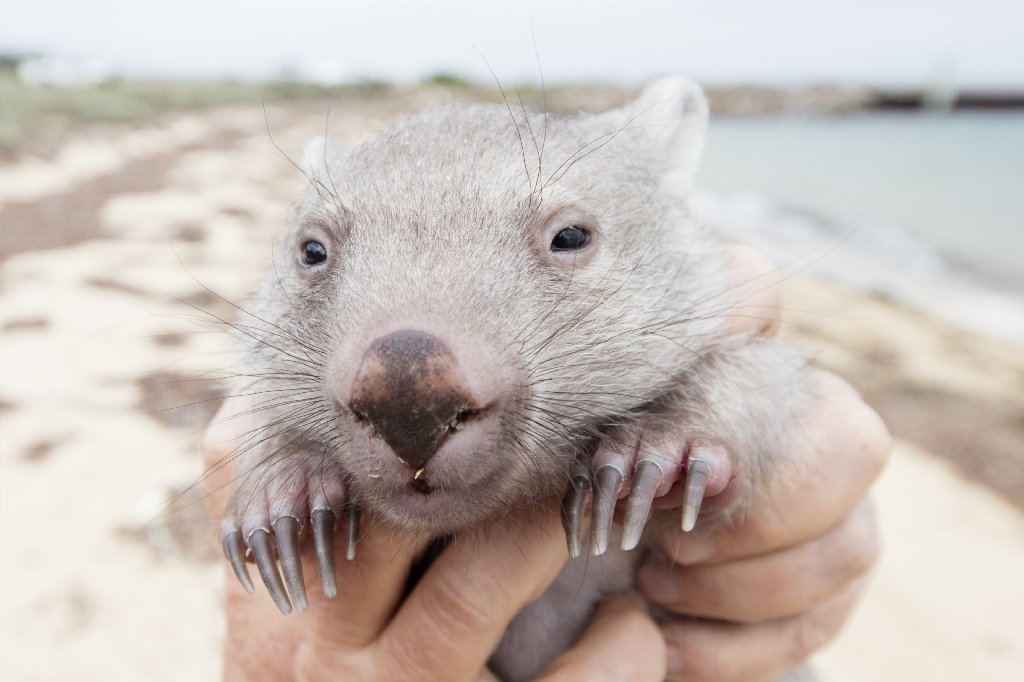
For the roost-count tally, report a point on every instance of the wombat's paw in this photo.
(636, 468)
(266, 523)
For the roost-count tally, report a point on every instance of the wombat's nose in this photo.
(412, 392)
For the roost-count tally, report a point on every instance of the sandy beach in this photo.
(119, 251)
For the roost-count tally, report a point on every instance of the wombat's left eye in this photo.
(570, 239)
(313, 253)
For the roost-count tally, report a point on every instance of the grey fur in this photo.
(439, 221)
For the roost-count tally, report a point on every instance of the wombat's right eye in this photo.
(313, 253)
(570, 239)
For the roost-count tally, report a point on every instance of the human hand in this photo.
(763, 595)
(446, 628)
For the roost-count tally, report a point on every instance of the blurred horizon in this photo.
(945, 44)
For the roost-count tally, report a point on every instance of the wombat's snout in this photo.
(412, 392)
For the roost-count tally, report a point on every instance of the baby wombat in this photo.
(482, 308)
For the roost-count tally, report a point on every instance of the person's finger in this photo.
(841, 448)
(260, 643)
(622, 642)
(754, 283)
(717, 651)
(369, 590)
(800, 577)
(453, 620)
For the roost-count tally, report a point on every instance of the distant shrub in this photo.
(448, 79)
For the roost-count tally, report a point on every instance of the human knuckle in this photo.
(876, 441)
(677, 637)
(636, 626)
(456, 605)
(871, 436)
(851, 426)
(211, 447)
(219, 452)
(700, 663)
(313, 663)
(856, 548)
(812, 631)
(749, 262)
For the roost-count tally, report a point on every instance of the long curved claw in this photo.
(234, 550)
(324, 521)
(698, 475)
(263, 553)
(353, 533)
(574, 508)
(645, 484)
(609, 482)
(286, 533)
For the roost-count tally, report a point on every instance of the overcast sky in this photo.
(976, 43)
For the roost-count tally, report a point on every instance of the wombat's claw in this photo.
(286, 532)
(646, 480)
(354, 516)
(609, 483)
(698, 476)
(639, 474)
(324, 521)
(267, 526)
(574, 508)
(263, 553)
(234, 550)
(282, 544)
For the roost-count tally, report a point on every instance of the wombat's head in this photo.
(463, 303)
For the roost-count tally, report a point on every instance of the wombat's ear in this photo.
(671, 116)
(320, 155)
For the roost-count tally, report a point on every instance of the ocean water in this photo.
(925, 208)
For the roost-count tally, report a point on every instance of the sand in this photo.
(107, 313)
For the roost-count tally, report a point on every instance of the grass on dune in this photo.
(28, 111)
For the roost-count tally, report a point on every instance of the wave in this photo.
(881, 259)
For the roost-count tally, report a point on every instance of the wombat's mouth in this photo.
(430, 511)
(425, 505)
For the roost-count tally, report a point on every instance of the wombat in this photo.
(484, 307)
